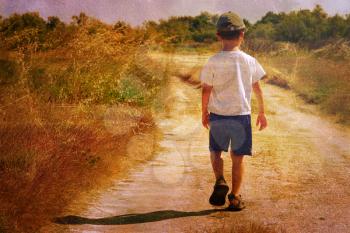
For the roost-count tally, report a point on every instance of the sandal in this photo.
(218, 196)
(235, 207)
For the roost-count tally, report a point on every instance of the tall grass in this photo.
(96, 66)
(318, 79)
(55, 138)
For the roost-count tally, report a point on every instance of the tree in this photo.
(122, 27)
(177, 29)
(80, 20)
(53, 22)
(150, 26)
(271, 17)
(320, 18)
(151, 30)
(336, 27)
(247, 24)
(263, 31)
(16, 23)
(319, 12)
(292, 29)
(184, 29)
(202, 28)
(347, 31)
(303, 26)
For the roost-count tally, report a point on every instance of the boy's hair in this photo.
(230, 35)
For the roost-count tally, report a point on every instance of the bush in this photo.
(9, 72)
(263, 31)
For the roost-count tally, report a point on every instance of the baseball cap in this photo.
(230, 21)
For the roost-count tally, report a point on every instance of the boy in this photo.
(227, 80)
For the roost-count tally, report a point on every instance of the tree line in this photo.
(302, 26)
(19, 30)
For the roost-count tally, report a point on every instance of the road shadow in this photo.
(132, 218)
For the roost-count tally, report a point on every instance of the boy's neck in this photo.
(230, 45)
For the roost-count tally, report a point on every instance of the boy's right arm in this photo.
(206, 78)
(206, 91)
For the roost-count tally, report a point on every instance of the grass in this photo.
(318, 80)
(43, 163)
(8, 72)
(67, 119)
(132, 80)
(277, 81)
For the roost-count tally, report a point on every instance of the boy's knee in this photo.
(216, 154)
(236, 158)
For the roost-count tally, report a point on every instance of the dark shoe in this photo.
(238, 206)
(218, 196)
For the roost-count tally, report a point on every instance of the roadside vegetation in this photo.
(74, 98)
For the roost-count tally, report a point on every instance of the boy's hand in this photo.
(261, 120)
(205, 120)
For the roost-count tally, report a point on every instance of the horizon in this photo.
(110, 11)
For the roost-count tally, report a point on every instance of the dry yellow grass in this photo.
(46, 162)
(318, 80)
(69, 117)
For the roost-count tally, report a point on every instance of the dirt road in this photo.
(297, 180)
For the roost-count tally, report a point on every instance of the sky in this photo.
(137, 11)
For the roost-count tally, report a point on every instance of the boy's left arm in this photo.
(261, 120)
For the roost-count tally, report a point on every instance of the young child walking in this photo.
(228, 79)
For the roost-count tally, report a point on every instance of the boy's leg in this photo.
(218, 197)
(237, 172)
(218, 164)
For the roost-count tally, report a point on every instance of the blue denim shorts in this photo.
(233, 131)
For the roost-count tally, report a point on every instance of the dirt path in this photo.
(297, 181)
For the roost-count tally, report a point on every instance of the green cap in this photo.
(230, 21)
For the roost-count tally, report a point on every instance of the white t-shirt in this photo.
(231, 74)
